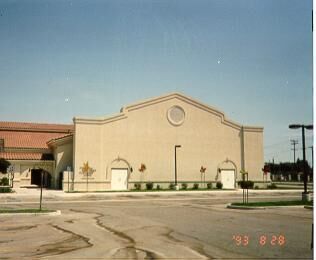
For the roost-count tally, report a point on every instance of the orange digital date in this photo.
(274, 240)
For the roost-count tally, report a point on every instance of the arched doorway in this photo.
(118, 173)
(227, 174)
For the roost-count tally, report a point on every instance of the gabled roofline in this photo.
(148, 102)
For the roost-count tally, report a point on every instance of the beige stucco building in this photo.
(147, 132)
(139, 145)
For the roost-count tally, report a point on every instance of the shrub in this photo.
(149, 185)
(184, 186)
(272, 186)
(256, 187)
(195, 186)
(172, 186)
(158, 187)
(246, 184)
(5, 190)
(4, 181)
(209, 185)
(137, 186)
(219, 185)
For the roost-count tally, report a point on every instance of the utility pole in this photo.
(294, 142)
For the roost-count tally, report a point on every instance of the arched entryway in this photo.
(118, 173)
(227, 174)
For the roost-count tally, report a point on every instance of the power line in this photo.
(270, 146)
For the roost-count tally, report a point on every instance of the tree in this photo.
(4, 164)
(287, 169)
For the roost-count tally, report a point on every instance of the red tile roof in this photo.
(27, 139)
(21, 156)
(31, 135)
(36, 127)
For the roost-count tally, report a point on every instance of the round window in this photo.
(176, 115)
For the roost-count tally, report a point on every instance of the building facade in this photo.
(164, 140)
(150, 133)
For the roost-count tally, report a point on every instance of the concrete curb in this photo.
(54, 213)
(229, 206)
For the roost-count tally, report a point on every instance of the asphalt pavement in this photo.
(174, 225)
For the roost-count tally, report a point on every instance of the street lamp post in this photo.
(308, 127)
(175, 166)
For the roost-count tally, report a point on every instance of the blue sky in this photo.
(251, 59)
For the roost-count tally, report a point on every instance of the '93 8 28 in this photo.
(262, 240)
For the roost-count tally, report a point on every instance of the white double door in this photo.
(228, 179)
(119, 179)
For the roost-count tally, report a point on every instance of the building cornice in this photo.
(153, 101)
(99, 121)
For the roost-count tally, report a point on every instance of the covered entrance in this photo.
(36, 178)
(119, 179)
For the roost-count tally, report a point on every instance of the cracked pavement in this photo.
(144, 227)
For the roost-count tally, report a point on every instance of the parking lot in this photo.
(153, 226)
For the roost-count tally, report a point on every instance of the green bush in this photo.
(256, 187)
(246, 184)
(5, 190)
(195, 186)
(149, 185)
(184, 186)
(209, 185)
(158, 187)
(272, 186)
(172, 186)
(219, 185)
(4, 181)
(137, 186)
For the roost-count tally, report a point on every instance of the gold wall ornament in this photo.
(86, 169)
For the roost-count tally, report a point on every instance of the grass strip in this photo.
(275, 203)
(7, 210)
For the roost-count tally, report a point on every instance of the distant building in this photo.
(137, 146)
